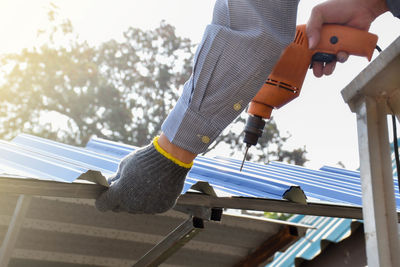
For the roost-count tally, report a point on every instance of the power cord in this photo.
(396, 149)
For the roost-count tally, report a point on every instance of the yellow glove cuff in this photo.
(169, 156)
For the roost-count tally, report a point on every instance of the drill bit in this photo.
(252, 131)
(244, 158)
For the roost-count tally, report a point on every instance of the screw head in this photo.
(237, 106)
(334, 39)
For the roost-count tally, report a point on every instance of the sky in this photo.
(318, 119)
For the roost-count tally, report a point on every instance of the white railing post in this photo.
(372, 95)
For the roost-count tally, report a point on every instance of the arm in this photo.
(237, 53)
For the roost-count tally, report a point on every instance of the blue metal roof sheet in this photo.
(218, 172)
(326, 229)
(47, 159)
(38, 164)
(306, 248)
(317, 184)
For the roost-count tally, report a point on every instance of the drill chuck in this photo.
(253, 130)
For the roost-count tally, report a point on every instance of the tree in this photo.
(119, 90)
(68, 90)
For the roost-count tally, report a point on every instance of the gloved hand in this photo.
(149, 180)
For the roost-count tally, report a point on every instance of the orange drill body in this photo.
(286, 79)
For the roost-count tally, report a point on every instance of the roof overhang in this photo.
(87, 190)
(56, 222)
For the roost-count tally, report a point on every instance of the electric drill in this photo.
(286, 79)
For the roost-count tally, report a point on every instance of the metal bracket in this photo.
(184, 232)
(172, 243)
(180, 235)
(205, 213)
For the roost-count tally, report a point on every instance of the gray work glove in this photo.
(146, 182)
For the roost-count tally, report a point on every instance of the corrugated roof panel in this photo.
(7, 170)
(52, 160)
(107, 147)
(230, 178)
(316, 184)
(37, 164)
(325, 229)
(394, 167)
(355, 174)
(308, 247)
(46, 159)
(327, 184)
(259, 180)
(215, 171)
(71, 154)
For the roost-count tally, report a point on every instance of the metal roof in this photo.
(51, 160)
(325, 229)
(36, 157)
(326, 184)
(69, 231)
(41, 167)
(329, 184)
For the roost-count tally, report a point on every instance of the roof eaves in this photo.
(87, 190)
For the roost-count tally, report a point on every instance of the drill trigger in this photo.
(322, 57)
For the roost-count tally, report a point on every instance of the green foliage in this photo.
(68, 90)
(278, 215)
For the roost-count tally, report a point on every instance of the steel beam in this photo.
(171, 243)
(35, 187)
(14, 228)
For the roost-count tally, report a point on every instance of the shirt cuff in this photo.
(195, 133)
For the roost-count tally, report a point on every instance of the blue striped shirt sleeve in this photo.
(238, 51)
